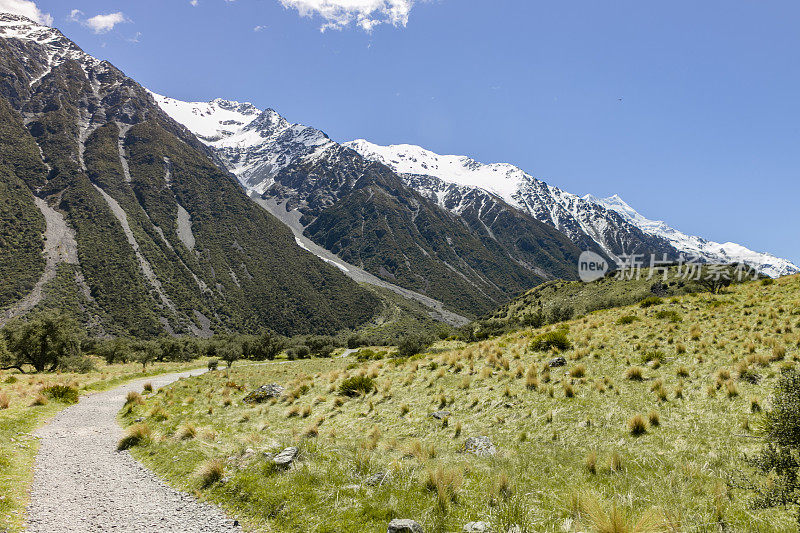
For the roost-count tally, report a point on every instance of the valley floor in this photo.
(645, 426)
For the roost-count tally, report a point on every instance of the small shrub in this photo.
(10, 380)
(210, 472)
(650, 302)
(61, 393)
(357, 385)
(412, 345)
(670, 315)
(213, 364)
(136, 435)
(627, 319)
(637, 426)
(555, 339)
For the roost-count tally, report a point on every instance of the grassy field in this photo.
(24, 407)
(641, 430)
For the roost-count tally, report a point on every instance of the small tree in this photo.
(780, 458)
(40, 342)
(147, 353)
(267, 346)
(229, 352)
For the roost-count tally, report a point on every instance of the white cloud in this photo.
(26, 8)
(259, 28)
(367, 14)
(98, 23)
(194, 3)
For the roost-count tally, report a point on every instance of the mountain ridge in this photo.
(565, 211)
(167, 241)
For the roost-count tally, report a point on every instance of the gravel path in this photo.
(82, 484)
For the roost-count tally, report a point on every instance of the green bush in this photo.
(213, 364)
(412, 345)
(356, 386)
(671, 315)
(553, 339)
(627, 319)
(61, 393)
(650, 302)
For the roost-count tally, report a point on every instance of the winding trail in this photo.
(82, 484)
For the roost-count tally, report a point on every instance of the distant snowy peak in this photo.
(501, 179)
(254, 144)
(210, 121)
(610, 223)
(691, 245)
(57, 47)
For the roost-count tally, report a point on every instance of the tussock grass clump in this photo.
(606, 518)
(591, 462)
(134, 398)
(446, 483)
(578, 371)
(554, 339)
(147, 388)
(634, 373)
(682, 372)
(637, 426)
(186, 432)
(39, 400)
(4, 401)
(61, 393)
(136, 435)
(356, 386)
(654, 418)
(210, 472)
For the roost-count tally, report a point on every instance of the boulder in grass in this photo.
(477, 527)
(404, 526)
(264, 393)
(480, 446)
(558, 361)
(286, 457)
(440, 415)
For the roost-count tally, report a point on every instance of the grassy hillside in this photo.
(646, 423)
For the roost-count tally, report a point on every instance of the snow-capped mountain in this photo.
(691, 245)
(253, 144)
(609, 222)
(469, 250)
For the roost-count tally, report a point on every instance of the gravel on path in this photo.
(82, 484)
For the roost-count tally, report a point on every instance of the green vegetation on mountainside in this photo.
(21, 222)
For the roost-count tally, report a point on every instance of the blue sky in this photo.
(706, 135)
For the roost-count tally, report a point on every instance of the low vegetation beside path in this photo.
(638, 418)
